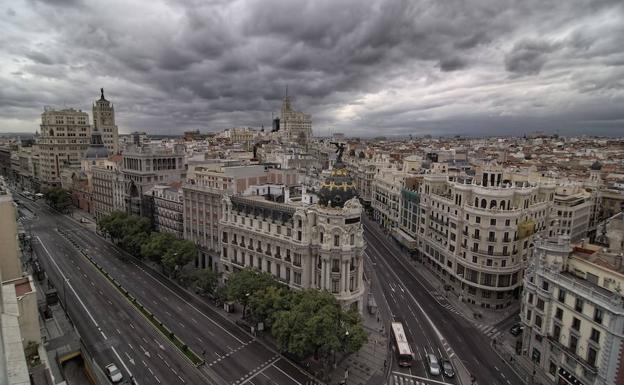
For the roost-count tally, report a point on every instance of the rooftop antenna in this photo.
(286, 91)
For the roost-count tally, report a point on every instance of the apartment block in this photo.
(573, 311)
(64, 136)
(574, 212)
(166, 208)
(108, 187)
(476, 233)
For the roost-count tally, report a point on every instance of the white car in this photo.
(434, 365)
(113, 373)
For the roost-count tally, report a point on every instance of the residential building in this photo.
(573, 312)
(146, 166)
(202, 201)
(386, 193)
(63, 139)
(303, 244)
(166, 211)
(104, 121)
(477, 233)
(108, 187)
(20, 336)
(574, 212)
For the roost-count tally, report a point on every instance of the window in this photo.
(595, 336)
(488, 262)
(556, 332)
(335, 265)
(545, 285)
(562, 295)
(336, 240)
(573, 343)
(352, 239)
(493, 222)
(578, 305)
(297, 259)
(552, 369)
(598, 315)
(538, 321)
(528, 316)
(559, 314)
(507, 222)
(297, 278)
(268, 266)
(540, 304)
(591, 356)
(335, 286)
(478, 219)
(298, 235)
(576, 324)
(321, 237)
(503, 263)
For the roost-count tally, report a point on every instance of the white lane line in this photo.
(260, 371)
(68, 283)
(190, 305)
(122, 361)
(286, 374)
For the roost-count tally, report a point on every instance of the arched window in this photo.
(502, 205)
(476, 202)
(483, 203)
(492, 204)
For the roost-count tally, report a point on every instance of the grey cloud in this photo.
(210, 65)
(39, 57)
(452, 64)
(527, 57)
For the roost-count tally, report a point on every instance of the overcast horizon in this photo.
(470, 68)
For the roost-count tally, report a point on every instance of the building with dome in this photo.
(303, 239)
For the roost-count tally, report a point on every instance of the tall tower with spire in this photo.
(104, 121)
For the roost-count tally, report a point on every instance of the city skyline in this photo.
(391, 66)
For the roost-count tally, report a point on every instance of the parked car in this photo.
(447, 369)
(113, 373)
(516, 330)
(434, 365)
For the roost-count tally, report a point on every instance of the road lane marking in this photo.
(122, 361)
(286, 374)
(68, 283)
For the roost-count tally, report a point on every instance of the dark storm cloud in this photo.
(529, 56)
(356, 65)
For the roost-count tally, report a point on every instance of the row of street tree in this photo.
(304, 323)
(133, 234)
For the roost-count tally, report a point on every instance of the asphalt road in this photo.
(232, 356)
(432, 325)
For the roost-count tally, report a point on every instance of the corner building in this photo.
(477, 233)
(303, 245)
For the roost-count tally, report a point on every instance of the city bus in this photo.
(403, 350)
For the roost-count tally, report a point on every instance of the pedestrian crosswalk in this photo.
(488, 330)
(400, 379)
(452, 309)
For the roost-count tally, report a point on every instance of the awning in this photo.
(404, 238)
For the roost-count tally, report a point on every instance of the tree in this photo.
(242, 284)
(156, 245)
(177, 255)
(58, 198)
(202, 280)
(268, 302)
(315, 324)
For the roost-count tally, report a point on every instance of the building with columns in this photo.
(297, 240)
(104, 121)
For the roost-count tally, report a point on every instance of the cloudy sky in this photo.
(363, 67)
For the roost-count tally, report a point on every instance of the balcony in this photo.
(491, 239)
(572, 355)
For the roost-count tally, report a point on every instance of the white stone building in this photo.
(573, 312)
(63, 138)
(477, 233)
(295, 126)
(303, 245)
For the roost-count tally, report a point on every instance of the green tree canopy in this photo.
(242, 284)
(58, 198)
(156, 245)
(204, 281)
(178, 254)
